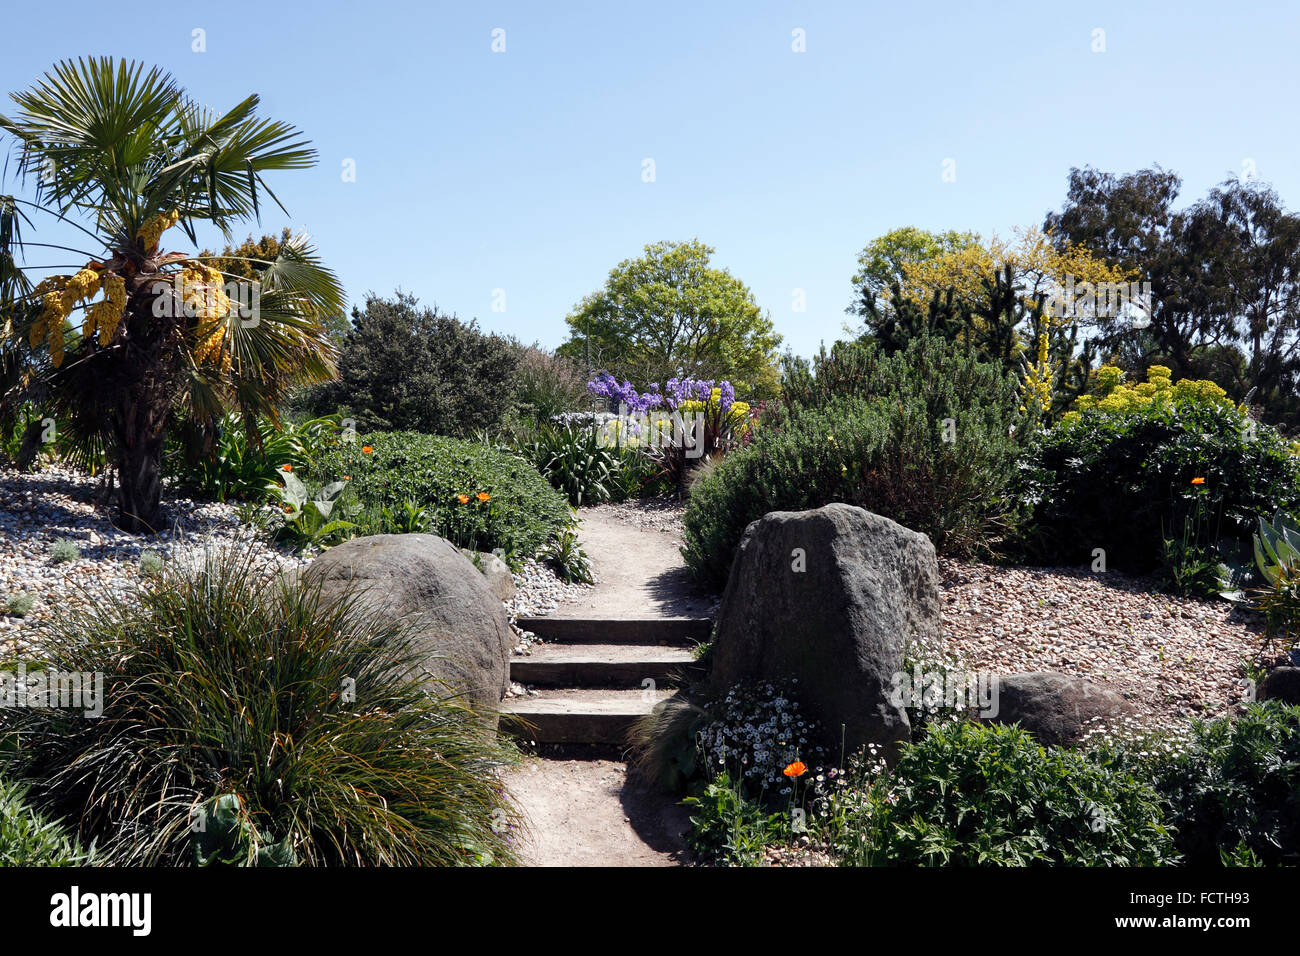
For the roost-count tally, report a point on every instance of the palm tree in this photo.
(118, 156)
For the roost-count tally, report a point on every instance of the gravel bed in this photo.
(38, 509)
(1173, 658)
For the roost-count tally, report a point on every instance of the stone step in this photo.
(601, 665)
(683, 631)
(577, 716)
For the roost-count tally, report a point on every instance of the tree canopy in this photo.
(670, 313)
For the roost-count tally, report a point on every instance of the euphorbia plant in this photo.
(122, 155)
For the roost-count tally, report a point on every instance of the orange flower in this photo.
(796, 769)
(483, 496)
(366, 449)
(347, 477)
(286, 467)
(463, 499)
(1198, 481)
(288, 509)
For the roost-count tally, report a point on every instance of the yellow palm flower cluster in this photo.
(105, 316)
(1113, 395)
(205, 296)
(155, 226)
(61, 294)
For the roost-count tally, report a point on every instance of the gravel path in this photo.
(36, 510)
(636, 555)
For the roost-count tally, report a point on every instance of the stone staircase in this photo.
(591, 675)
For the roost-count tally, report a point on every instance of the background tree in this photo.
(996, 299)
(669, 313)
(410, 368)
(1223, 274)
(121, 155)
(884, 261)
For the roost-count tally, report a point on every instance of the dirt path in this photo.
(639, 566)
(585, 812)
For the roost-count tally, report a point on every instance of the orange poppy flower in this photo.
(483, 496)
(347, 477)
(1198, 481)
(796, 769)
(286, 467)
(463, 499)
(366, 449)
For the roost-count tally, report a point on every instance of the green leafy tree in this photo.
(670, 313)
(414, 369)
(883, 262)
(120, 155)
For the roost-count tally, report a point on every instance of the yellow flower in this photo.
(154, 227)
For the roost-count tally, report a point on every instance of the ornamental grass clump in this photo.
(226, 685)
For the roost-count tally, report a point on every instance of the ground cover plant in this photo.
(28, 838)
(281, 716)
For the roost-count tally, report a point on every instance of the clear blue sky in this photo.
(522, 170)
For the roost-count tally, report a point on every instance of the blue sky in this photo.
(522, 170)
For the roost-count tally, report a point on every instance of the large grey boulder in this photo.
(462, 631)
(1056, 708)
(495, 571)
(832, 598)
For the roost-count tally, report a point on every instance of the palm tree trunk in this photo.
(139, 485)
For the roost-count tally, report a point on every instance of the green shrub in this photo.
(921, 437)
(27, 838)
(64, 550)
(1235, 787)
(20, 605)
(730, 829)
(404, 367)
(151, 563)
(1122, 481)
(972, 794)
(547, 384)
(520, 514)
(1277, 558)
(568, 558)
(226, 679)
(312, 516)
